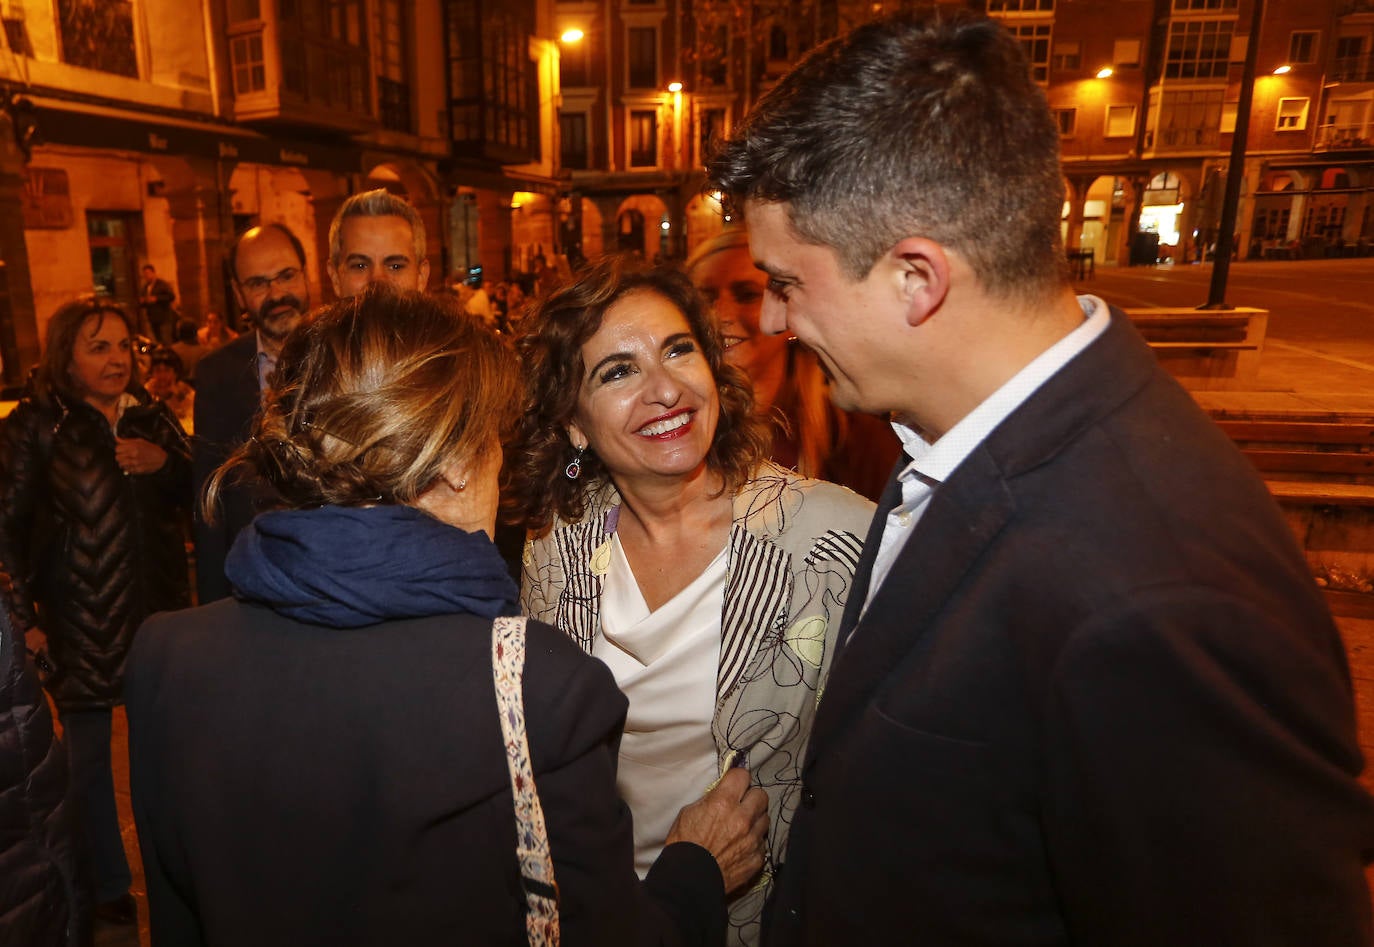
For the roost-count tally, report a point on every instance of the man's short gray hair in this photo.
(376, 203)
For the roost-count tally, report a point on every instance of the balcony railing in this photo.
(1188, 138)
(1353, 69)
(1342, 137)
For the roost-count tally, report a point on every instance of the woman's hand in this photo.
(137, 456)
(35, 641)
(730, 822)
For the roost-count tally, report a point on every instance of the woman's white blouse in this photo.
(665, 661)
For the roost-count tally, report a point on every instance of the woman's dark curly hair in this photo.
(552, 334)
(373, 397)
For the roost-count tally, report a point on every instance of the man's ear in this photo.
(333, 272)
(238, 297)
(923, 276)
(424, 273)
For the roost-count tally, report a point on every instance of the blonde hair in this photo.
(373, 397)
(803, 394)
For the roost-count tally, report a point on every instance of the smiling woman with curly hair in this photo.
(707, 579)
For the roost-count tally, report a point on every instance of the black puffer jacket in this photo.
(40, 901)
(93, 552)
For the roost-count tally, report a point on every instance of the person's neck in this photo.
(109, 407)
(665, 507)
(671, 533)
(268, 344)
(988, 344)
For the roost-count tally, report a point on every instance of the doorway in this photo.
(115, 239)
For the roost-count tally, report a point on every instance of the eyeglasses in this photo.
(257, 285)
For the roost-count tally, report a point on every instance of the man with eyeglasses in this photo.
(267, 265)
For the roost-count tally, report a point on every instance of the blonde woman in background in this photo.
(810, 435)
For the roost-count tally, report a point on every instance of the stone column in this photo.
(609, 206)
(19, 344)
(494, 234)
(202, 228)
(1134, 188)
(1077, 192)
(325, 206)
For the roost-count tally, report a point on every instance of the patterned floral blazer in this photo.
(793, 549)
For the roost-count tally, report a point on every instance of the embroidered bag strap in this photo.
(531, 837)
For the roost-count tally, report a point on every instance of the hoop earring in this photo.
(574, 469)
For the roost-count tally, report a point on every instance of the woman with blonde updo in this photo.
(320, 760)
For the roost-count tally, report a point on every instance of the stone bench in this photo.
(1205, 349)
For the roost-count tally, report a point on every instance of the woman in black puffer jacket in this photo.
(92, 477)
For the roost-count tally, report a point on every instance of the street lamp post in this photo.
(1226, 238)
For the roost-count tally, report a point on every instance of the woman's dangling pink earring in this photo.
(574, 469)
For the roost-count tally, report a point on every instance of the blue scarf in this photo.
(345, 567)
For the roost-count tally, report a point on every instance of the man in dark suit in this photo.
(1087, 692)
(268, 268)
(155, 300)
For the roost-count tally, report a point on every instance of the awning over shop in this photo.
(92, 126)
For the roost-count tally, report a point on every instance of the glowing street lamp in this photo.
(573, 35)
(1105, 72)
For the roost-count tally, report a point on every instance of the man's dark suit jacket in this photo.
(1097, 701)
(227, 399)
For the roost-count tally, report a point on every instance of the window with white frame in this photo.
(1126, 53)
(393, 58)
(1190, 118)
(1302, 47)
(710, 127)
(574, 63)
(96, 35)
(712, 49)
(1120, 121)
(1198, 6)
(643, 135)
(1349, 64)
(1035, 41)
(1292, 114)
(1198, 49)
(573, 153)
(642, 50)
(1067, 57)
(1020, 6)
(245, 56)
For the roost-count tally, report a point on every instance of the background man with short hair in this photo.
(1087, 692)
(377, 237)
(155, 300)
(267, 265)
